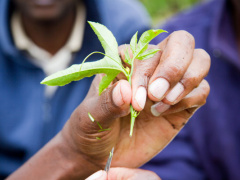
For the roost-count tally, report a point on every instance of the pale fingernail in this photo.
(159, 87)
(175, 92)
(159, 108)
(140, 96)
(117, 97)
(95, 176)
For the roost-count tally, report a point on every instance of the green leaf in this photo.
(128, 60)
(107, 40)
(88, 69)
(110, 47)
(145, 39)
(147, 54)
(110, 65)
(106, 80)
(133, 42)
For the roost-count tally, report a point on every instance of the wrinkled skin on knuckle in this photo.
(143, 68)
(191, 81)
(107, 105)
(175, 71)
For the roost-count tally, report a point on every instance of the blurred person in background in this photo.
(209, 146)
(40, 37)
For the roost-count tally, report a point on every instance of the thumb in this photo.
(113, 103)
(133, 174)
(99, 175)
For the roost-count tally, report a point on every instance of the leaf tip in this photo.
(44, 82)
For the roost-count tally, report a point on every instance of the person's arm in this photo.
(167, 88)
(55, 161)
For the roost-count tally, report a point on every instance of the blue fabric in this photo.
(209, 145)
(28, 120)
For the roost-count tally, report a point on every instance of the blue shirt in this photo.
(28, 119)
(208, 147)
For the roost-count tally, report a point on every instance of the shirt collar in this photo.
(74, 42)
(222, 35)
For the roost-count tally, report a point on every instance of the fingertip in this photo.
(122, 94)
(139, 99)
(158, 88)
(99, 175)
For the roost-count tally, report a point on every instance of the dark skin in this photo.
(75, 153)
(50, 25)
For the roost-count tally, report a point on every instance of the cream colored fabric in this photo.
(40, 57)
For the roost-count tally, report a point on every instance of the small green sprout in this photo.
(99, 125)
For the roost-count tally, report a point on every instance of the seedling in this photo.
(111, 64)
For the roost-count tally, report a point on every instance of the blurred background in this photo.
(160, 10)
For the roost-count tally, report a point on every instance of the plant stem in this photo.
(134, 113)
(133, 117)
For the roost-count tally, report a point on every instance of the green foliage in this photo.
(161, 9)
(144, 40)
(148, 54)
(133, 42)
(110, 65)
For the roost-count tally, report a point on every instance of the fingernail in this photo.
(140, 96)
(159, 87)
(117, 97)
(159, 108)
(95, 176)
(175, 92)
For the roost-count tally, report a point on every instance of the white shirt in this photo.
(43, 59)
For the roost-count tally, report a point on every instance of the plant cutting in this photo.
(111, 64)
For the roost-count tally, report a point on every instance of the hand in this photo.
(168, 88)
(124, 174)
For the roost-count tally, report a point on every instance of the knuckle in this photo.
(188, 105)
(106, 103)
(174, 71)
(191, 81)
(107, 106)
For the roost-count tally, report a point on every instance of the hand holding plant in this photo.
(171, 89)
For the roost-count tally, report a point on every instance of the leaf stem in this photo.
(132, 121)
(134, 113)
(97, 52)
